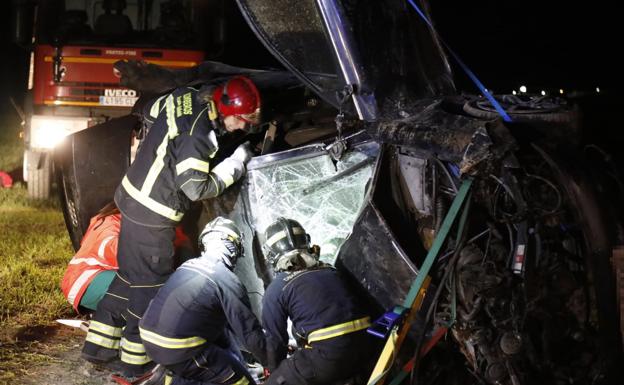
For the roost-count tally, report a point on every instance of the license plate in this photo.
(121, 101)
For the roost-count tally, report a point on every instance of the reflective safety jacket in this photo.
(172, 166)
(319, 305)
(200, 299)
(98, 252)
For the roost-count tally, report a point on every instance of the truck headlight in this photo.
(48, 131)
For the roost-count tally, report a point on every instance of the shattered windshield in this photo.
(325, 197)
(304, 184)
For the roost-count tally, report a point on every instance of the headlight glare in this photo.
(48, 131)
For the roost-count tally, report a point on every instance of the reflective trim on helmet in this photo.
(145, 200)
(224, 226)
(281, 235)
(170, 343)
(225, 230)
(192, 164)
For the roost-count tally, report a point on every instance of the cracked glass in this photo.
(323, 195)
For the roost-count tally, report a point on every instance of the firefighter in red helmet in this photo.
(238, 102)
(172, 168)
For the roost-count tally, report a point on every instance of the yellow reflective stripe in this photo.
(133, 359)
(242, 381)
(150, 203)
(117, 296)
(168, 342)
(132, 346)
(123, 279)
(110, 331)
(214, 181)
(172, 126)
(161, 151)
(144, 286)
(168, 379)
(282, 234)
(276, 237)
(339, 330)
(225, 172)
(230, 376)
(192, 163)
(132, 314)
(155, 110)
(196, 119)
(102, 341)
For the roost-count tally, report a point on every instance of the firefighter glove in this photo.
(242, 153)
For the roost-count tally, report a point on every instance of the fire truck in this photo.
(74, 44)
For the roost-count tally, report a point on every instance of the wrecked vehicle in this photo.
(370, 146)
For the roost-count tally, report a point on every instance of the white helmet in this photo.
(225, 232)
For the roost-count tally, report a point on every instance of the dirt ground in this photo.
(53, 356)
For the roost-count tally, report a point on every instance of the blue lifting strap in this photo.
(467, 70)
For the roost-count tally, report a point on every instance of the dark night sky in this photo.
(13, 66)
(557, 44)
(553, 43)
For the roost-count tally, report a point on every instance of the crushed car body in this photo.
(369, 150)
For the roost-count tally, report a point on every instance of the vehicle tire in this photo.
(524, 108)
(69, 204)
(89, 166)
(38, 170)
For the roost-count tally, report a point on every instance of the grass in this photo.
(34, 251)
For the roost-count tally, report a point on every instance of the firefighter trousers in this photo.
(213, 365)
(103, 339)
(324, 363)
(146, 259)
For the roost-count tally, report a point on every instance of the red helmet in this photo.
(240, 97)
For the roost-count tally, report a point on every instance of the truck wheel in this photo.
(89, 165)
(38, 170)
(70, 204)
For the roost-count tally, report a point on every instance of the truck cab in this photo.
(74, 43)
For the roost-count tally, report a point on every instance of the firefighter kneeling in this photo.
(325, 316)
(185, 327)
